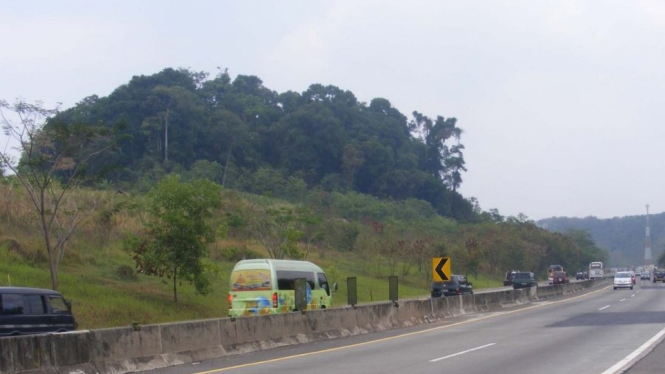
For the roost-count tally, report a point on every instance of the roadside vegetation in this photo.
(99, 275)
(137, 205)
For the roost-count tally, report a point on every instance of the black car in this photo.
(508, 281)
(659, 275)
(34, 311)
(457, 285)
(524, 279)
(580, 276)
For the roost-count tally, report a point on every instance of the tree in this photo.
(310, 227)
(276, 230)
(175, 242)
(51, 166)
(352, 160)
(167, 103)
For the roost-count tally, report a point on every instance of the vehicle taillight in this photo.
(274, 300)
(230, 300)
(457, 290)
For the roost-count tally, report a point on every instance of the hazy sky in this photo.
(562, 103)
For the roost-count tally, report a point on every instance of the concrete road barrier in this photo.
(132, 349)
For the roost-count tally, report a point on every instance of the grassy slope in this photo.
(101, 298)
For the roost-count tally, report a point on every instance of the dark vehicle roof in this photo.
(28, 290)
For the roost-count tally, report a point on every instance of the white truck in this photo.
(596, 270)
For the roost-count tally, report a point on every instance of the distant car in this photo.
(646, 275)
(550, 272)
(659, 276)
(560, 277)
(623, 279)
(586, 275)
(457, 285)
(524, 279)
(508, 281)
(579, 276)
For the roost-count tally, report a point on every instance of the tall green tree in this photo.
(178, 232)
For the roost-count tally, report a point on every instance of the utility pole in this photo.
(647, 243)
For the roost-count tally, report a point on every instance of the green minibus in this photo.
(267, 286)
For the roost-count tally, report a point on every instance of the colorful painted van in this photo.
(267, 286)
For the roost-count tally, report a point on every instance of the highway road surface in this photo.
(602, 332)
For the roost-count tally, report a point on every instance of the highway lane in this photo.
(590, 333)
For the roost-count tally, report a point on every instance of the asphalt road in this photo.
(601, 332)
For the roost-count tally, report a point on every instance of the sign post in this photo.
(352, 289)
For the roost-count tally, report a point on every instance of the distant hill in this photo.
(623, 237)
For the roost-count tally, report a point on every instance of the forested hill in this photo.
(623, 237)
(247, 137)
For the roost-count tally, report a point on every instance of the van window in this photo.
(323, 283)
(286, 279)
(11, 304)
(34, 304)
(250, 280)
(58, 304)
(22, 304)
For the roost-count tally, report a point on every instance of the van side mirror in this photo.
(335, 286)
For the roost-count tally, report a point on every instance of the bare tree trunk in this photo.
(166, 135)
(226, 167)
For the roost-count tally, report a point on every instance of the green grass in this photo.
(103, 298)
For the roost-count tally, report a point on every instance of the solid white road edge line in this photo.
(619, 365)
(461, 353)
(605, 307)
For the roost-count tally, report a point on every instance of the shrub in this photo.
(235, 254)
(126, 272)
